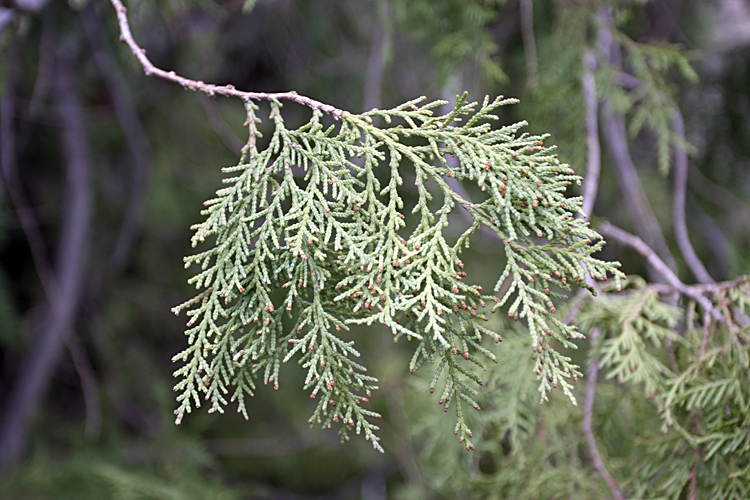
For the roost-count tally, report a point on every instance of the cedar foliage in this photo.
(670, 410)
(308, 230)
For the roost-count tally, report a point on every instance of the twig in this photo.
(593, 154)
(10, 172)
(678, 203)
(210, 88)
(135, 136)
(529, 44)
(613, 128)
(26, 393)
(64, 300)
(588, 411)
(89, 386)
(13, 438)
(659, 266)
(624, 164)
(635, 201)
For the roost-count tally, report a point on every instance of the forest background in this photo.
(104, 170)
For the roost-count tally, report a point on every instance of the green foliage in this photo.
(527, 450)
(641, 83)
(638, 324)
(688, 434)
(181, 471)
(310, 236)
(455, 32)
(647, 92)
(698, 381)
(669, 412)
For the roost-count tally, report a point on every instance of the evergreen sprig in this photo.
(695, 370)
(637, 325)
(310, 236)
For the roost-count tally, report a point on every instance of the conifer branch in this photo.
(209, 88)
(611, 43)
(655, 93)
(307, 230)
(335, 223)
(681, 172)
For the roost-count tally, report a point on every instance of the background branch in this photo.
(135, 137)
(653, 259)
(588, 411)
(593, 149)
(209, 88)
(11, 175)
(43, 359)
(636, 202)
(678, 202)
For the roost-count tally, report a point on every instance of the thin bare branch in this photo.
(678, 203)
(613, 128)
(635, 200)
(210, 88)
(593, 154)
(135, 137)
(89, 386)
(588, 411)
(43, 358)
(659, 266)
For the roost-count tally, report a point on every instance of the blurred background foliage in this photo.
(99, 423)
